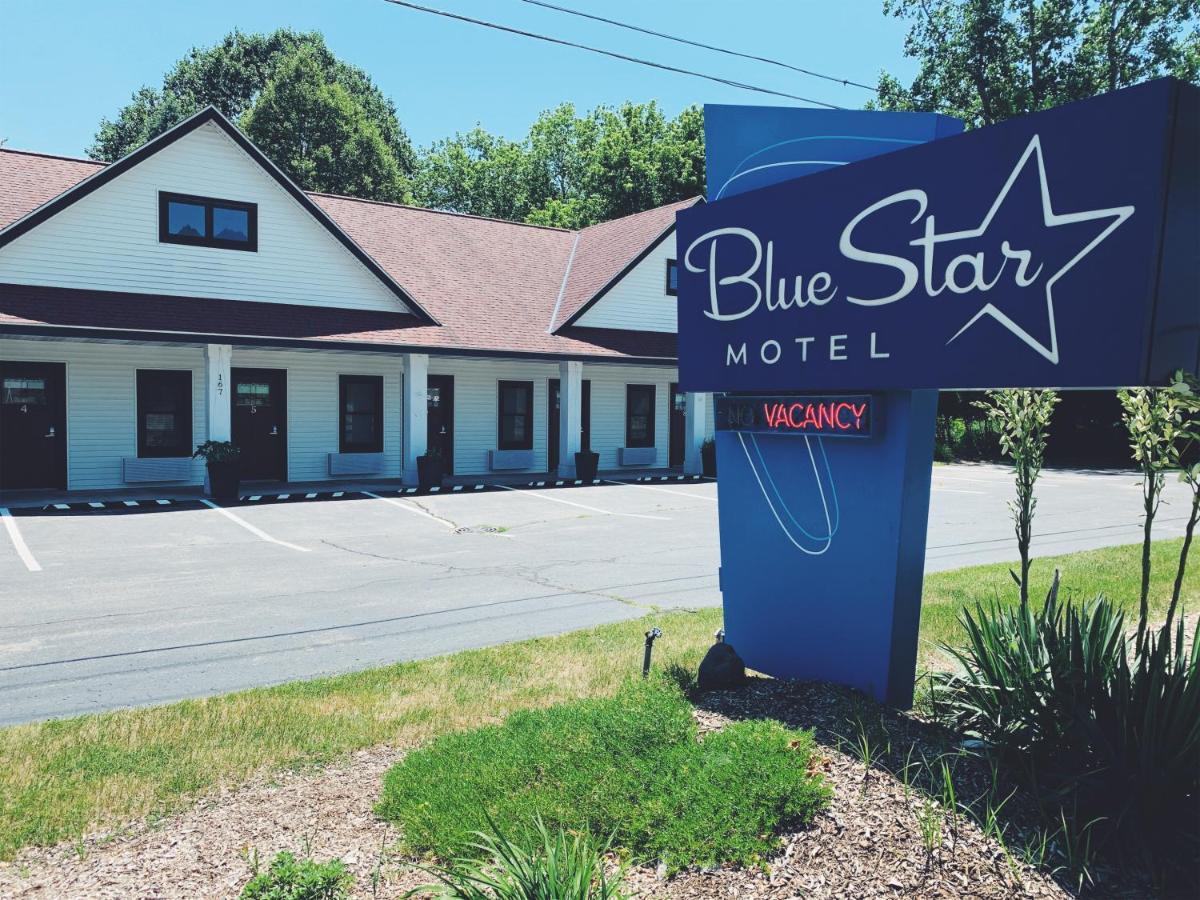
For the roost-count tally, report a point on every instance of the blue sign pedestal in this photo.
(823, 548)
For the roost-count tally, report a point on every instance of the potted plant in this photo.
(224, 470)
(431, 468)
(708, 458)
(586, 463)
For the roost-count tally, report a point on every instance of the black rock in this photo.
(721, 668)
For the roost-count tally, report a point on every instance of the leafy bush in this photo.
(631, 766)
(544, 865)
(964, 438)
(288, 878)
(1104, 730)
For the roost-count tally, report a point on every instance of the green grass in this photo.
(629, 766)
(60, 779)
(1113, 571)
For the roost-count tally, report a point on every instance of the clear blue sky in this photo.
(68, 63)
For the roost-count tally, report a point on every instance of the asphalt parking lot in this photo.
(131, 606)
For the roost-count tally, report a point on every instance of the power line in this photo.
(611, 53)
(670, 37)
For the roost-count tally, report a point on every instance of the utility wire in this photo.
(670, 37)
(611, 53)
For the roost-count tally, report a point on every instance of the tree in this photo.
(988, 60)
(1184, 454)
(318, 132)
(475, 173)
(1023, 420)
(232, 76)
(570, 170)
(1151, 417)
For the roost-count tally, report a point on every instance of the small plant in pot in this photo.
(708, 458)
(586, 464)
(431, 468)
(224, 469)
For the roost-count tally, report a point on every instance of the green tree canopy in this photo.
(234, 76)
(987, 60)
(317, 132)
(571, 170)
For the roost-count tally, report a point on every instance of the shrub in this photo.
(950, 440)
(288, 878)
(631, 766)
(1104, 730)
(545, 865)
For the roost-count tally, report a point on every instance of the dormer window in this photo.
(672, 277)
(207, 222)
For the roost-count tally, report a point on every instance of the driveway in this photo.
(152, 604)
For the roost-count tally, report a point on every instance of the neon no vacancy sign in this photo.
(837, 417)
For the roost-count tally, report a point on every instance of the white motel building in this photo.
(191, 292)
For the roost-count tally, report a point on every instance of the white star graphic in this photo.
(1118, 214)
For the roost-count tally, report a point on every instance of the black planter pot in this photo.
(586, 464)
(224, 480)
(430, 472)
(708, 460)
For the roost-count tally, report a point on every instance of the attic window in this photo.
(207, 222)
(672, 277)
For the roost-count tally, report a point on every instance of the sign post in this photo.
(1059, 249)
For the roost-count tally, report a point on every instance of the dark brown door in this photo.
(585, 415)
(33, 425)
(439, 418)
(260, 422)
(675, 450)
(552, 410)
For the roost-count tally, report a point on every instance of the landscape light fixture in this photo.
(650, 637)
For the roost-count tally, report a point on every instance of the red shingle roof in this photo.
(492, 284)
(27, 180)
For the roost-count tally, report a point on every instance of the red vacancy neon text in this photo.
(829, 416)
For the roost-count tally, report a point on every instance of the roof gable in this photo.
(118, 203)
(606, 253)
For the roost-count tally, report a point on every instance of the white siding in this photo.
(608, 409)
(101, 404)
(476, 407)
(108, 240)
(639, 301)
(313, 399)
(102, 401)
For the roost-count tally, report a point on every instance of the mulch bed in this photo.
(866, 844)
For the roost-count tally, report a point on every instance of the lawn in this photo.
(59, 779)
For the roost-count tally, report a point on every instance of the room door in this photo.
(260, 422)
(675, 451)
(439, 418)
(33, 425)
(552, 409)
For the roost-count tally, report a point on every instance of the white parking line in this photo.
(258, 532)
(947, 490)
(659, 489)
(539, 495)
(408, 507)
(10, 525)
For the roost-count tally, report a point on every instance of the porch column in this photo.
(218, 359)
(413, 412)
(695, 420)
(570, 416)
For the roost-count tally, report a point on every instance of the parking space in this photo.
(152, 604)
(130, 605)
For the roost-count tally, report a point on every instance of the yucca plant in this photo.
(539, 865)
(1103, 729)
